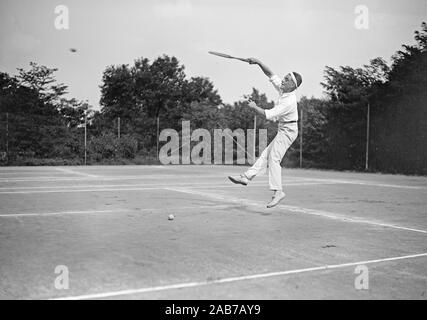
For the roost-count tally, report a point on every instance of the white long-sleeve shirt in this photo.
(285, 109)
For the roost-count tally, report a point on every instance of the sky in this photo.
(287, 35)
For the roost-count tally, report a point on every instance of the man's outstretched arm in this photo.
(267, 71)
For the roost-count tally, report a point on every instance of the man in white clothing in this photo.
(285, 112)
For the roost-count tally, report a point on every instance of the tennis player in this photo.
(284, 112)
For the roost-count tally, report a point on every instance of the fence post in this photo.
(85, 137)
(254, 137)
(7, 137)
(158, 128)
(118, 127)
(367, 139)
(300, 146)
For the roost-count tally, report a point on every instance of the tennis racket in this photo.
(223, 55)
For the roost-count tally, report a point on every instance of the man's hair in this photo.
(298, 78)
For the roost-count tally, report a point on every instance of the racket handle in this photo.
(243, 59)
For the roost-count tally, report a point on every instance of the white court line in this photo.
(130, 167)
(42, 214)
(188, 184)
(82, 190)
(235, 279)
(365, 183)
(127, 185)
(93, 168)
(20, 173)
(77, 172)
(41, 179)
(26, 169)
(177, 209)
(87, 177)
(325, 214)
(108, 178)
(340, 217)
(156, 186)
(101, 185)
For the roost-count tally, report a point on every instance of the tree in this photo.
(42, 80)
(349, 91)
(396, 95)
(141, 93)
(315, 143)
(41, 122)
(74, 112)
(399, 115)
(118, 92)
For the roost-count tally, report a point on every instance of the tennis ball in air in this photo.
(171, 217)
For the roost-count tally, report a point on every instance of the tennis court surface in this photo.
(108, 225)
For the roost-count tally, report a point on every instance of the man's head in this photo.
(291, 82)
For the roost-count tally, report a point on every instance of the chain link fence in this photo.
(45, 140)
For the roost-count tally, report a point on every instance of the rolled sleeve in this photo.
(277, 82)
(271, 114)
(286, 107)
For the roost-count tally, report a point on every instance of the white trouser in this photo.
(273, 155)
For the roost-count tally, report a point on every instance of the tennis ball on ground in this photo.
(171, 217)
